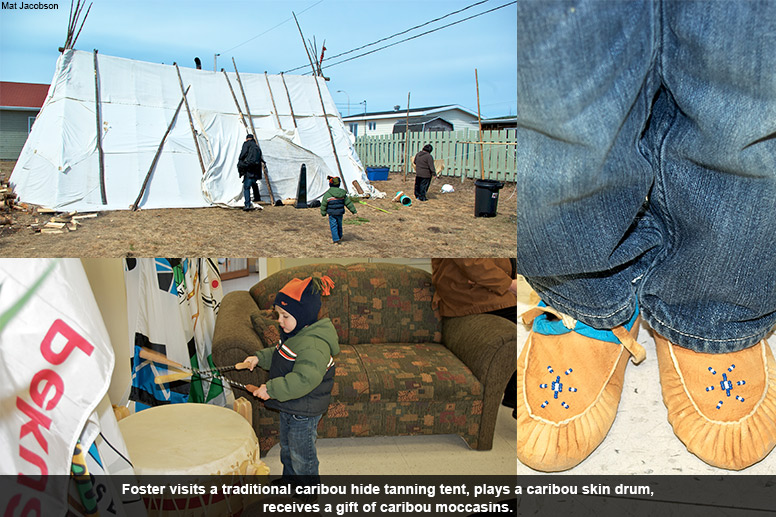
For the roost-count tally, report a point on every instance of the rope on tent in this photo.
(372, 206)
(159, 150)
(253, 130)
(191, 120)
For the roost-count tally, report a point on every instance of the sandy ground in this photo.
(444, 226)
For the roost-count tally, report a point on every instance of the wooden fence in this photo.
(458, 149)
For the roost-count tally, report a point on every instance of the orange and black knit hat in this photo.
(302, 298)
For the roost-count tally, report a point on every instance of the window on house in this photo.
(353, 128)
(30, 122)
(372, 126)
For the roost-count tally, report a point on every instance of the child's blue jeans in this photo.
(647, 164)
(335, 223)
(297, 446)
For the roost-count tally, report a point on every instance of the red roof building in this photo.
(19, 105)
(22, 95)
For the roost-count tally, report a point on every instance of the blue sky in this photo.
(261, 35)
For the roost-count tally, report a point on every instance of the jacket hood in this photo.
(324, 330)
(337, 192)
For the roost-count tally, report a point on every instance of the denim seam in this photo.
(666, 325)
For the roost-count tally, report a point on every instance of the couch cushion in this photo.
(391, 303)
(416, 372)
(351, 384)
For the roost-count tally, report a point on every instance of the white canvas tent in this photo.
(59, 165)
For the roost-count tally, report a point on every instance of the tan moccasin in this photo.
(569, 382)
(721, 406)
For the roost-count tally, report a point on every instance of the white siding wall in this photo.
(384, 126)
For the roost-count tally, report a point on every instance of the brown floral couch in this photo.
(401, 370)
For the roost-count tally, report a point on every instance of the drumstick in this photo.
(157, 357)
(172, 377)
(163, 379)
(152, 355)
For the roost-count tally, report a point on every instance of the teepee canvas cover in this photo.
(59, 165)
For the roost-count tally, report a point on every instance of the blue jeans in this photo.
(335, 223)
(248, 184)
(647, 165)
(297, 446)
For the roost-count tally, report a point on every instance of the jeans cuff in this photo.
(602, 318)
(703, 344)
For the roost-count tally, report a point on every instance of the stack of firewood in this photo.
(7, 202)
(59, 222)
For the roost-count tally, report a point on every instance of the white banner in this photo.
(55, 367)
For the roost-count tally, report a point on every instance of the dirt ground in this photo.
(443, 226)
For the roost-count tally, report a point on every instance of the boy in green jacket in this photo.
(301, 373)
(333, 203)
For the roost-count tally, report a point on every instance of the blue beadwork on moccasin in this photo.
(543, 325)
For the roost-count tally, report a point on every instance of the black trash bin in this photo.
(486, 197)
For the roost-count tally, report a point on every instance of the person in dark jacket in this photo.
(333, 203)
(301, 373)
(249, 167)
(424, 171)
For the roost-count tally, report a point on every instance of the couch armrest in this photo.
(485, 343)
(234, 337)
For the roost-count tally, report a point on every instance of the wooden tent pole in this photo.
(242, 117)
(272, 97)
(159, 150)
(98, 114)
(331, 135)
(315, 73)
(323, 107)
(253, 129)
(191, 120)
(482, 149)
(293, 116)
(407, 140)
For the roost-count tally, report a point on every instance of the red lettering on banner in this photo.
(74, 340)
(52, 380)
(46, 390)
(31, 508)
(38, 483)
(36, 419)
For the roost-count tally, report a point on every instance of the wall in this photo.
(106, 277)
(13, 133)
